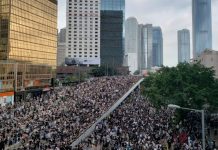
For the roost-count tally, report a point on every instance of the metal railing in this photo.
(105, 115)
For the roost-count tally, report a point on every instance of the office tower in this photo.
(62, 36)
(131, 44)
(28, 31)
(147, 46)
(183, 46)
(61, 47)
(28, 46)
(157, 51)
(112, 35)
(140, 45)
(202, 26)
(83, 32)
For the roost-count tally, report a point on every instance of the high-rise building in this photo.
(28, 31)
(131, 44)
(61, 47)
(112, 35)
(147, 47)
(157, 51)
(202, 26)
(209, 58)
(184, 46)
(140, 45)
(62, 36)
(28, 46)
(83, 32)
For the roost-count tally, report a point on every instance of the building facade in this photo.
(183, 46)
(209, 58)
(62, 36)
(61, 47)
(131, 44)
(140, 45)
(112, 35)
(83, 32)
(147, 47)
(157, 51)
(28, 46)
(28, 31)
(202, 26)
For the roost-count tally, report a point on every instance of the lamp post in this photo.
(202, 120)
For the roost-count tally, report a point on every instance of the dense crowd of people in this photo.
(55, 120)
(137, 125)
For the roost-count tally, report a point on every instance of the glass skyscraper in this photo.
(157, 47)
(183, 46)
(112, 24)
(28, 31)
(147, 46)
(113, 5)
(202, 26)
(131, 44)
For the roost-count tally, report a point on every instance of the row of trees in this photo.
(186, 85)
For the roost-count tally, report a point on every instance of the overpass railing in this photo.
(89, 131)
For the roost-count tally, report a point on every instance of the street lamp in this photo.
(202, 119)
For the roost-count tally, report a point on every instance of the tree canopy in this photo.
(186, 85)
(103, 71)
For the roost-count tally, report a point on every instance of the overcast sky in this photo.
(170, 15)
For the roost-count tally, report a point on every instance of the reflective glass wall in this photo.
(157, 47)
(4, 28)
(183, 46)
(112, 32)
(32, 31)
(113, 5)
(202, 28)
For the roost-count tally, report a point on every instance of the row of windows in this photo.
(85, 39)
(28, 33)
(35, 60)
(32, 25)
(44, 5)
(83, 14)
(81, 49)
(32, 39)
(27, 52)
(36, 12)
(82, 52)
(83, 1)
(80, 56)
(27, 16)
(83, 4)
(31, 46)
(4, 9)
(85, 47)
(33, 32)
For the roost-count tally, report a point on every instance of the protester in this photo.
(135, 125)
(58, 118)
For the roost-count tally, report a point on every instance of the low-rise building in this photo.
(209, 58)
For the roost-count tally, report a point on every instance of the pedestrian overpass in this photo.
(91, 129)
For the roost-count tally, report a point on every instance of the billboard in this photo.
(37, 83)
(6, 98)
(6, 85)
(82, 61)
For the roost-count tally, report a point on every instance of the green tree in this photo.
(103, 71)
(187, 85)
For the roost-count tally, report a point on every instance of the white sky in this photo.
(170, 15)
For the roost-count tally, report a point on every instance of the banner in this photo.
(6, 98)
(6, 85)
